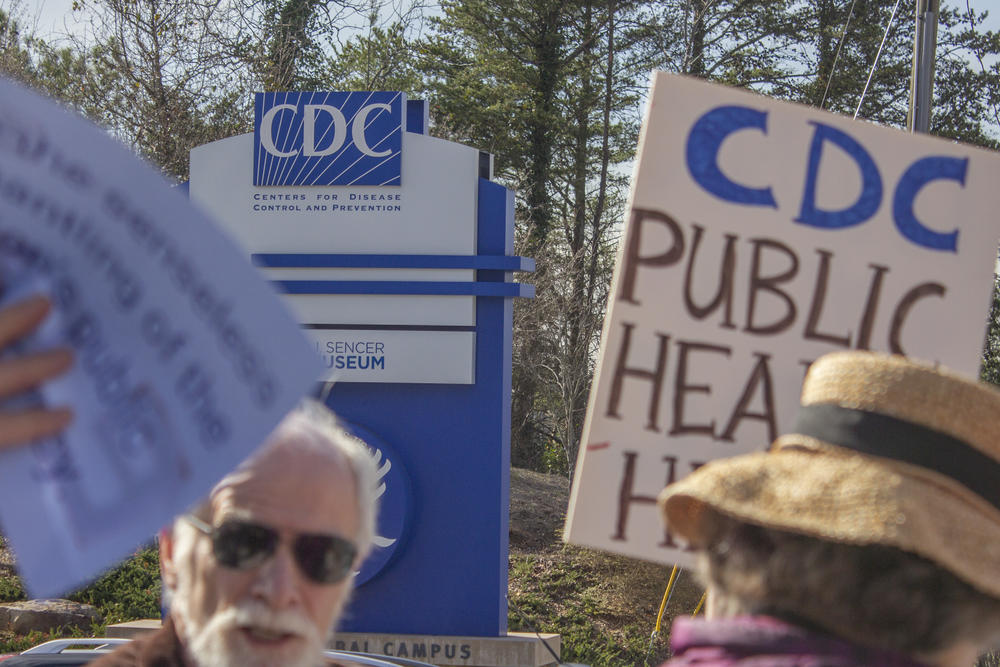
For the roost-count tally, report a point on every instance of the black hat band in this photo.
(888, 437)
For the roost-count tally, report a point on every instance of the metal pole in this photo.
(922, 73)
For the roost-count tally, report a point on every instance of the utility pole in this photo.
(922, 73)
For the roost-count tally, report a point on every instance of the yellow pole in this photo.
(659, 616)
(700, 603)
(666, 596)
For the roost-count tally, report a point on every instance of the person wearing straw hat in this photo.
(868, 535)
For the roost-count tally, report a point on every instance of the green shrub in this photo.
(554, 458)
(11, 589)
(127, 592)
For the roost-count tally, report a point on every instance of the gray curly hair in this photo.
(313, 428)
(871, 594)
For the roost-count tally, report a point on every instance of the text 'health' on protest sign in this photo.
(762, 235)
(185, 358)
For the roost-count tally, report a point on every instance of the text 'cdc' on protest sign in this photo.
(760, 236)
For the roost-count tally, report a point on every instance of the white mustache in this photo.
(258, 615)
(218, 643)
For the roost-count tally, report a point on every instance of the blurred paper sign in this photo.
(185, 358)
(761, 235)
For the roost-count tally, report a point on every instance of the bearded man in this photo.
(259, 574)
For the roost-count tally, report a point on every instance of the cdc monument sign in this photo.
(395, 250)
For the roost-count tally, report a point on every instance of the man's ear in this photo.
(168, 566)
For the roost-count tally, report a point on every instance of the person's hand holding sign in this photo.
(21, 374)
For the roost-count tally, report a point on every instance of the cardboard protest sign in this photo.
(761, 235)
(185, 358)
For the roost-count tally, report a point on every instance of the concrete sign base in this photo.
(517, 649)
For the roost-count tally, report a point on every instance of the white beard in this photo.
(221, 643)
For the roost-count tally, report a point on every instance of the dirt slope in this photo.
(604, 606)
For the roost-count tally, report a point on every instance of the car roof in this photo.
(81, 650)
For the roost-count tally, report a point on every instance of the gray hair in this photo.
(872, 594)
(313, 428)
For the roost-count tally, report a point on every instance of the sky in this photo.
(51, 15)
(56, 16)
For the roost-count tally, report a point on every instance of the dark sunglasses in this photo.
(241, 545)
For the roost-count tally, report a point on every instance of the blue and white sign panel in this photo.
(398, 288)
(414, 335)
(434, 357)
(328, 138)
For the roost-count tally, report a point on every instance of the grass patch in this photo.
(603, 606)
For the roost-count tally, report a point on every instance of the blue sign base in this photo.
(449, 574)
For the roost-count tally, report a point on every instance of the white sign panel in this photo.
(395, 356)
(185, 357)
(380, 309)
(432, 212)
(762, 235)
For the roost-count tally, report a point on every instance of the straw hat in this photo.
(886, 451)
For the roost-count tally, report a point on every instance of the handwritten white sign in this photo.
(185, 357)
(761, 235)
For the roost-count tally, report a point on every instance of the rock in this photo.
(46, 615)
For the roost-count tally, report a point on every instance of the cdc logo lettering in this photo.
(328, 138)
